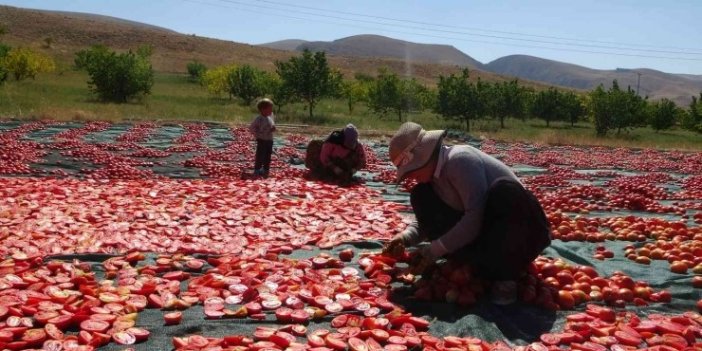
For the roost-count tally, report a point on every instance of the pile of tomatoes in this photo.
(138, 133)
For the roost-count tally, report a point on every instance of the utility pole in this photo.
(638, 83)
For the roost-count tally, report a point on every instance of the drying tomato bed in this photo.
(63, 305)
(223, 248)
(40, 216)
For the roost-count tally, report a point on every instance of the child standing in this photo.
(262, 128)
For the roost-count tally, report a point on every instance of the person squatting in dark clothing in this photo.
(470, 207)
(337, 158)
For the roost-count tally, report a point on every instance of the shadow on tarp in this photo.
(516, 323)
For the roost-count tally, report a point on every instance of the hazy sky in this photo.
(603, 34)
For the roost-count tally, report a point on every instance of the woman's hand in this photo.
(396, 246)
(423, 260)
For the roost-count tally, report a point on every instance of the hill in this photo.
(71, 32)
(694, 77)
(380, 46)
(655, 84)
(288, 44)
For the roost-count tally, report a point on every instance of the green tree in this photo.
(429, 98)
(616, 109)
(414, 95)
(572, 107)
(507, 100)
(119, 77)
(24, 63)
(385, 93)
(547, 105)
(145, 51)
(195, 70)
(280, 93)
(366, 78)
(599, 110)
(458, 98)
(309, 78)
(216, 80)
(390, 94)
(693, 118)
(4, 49)
(485, 95)
(86, 56)
(355, 91)
(248, 83)
(629, 109)
(663, 115)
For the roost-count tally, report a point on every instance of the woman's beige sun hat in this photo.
(412, 147)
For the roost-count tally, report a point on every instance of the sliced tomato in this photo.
(453, 341)
(396, 339)
(173, 318)
(94, 325)
(263, 345)
(627, 338)
(253, 307)
(315, 340)
(335, 342)
(669, 327)
(85, 337)
(271, 304)
(264, 333)
(17, 345)
(197, 341)
(428, 340)
(299, 329)
(419, 323)
(124, 338)
(340, 321)
(6, 336)
(53, 332)
(283, 314)
(52, 345)
(300, 316)
(604, 340)
(674, 340)
(395, 347)
(233, 340)
(537, 346)
(100, 339)
(282, 339)
(214, 313)
(34, 336)
(357, 344)
(550, 339)
(140, 334)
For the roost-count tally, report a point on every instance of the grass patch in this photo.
(65, 96)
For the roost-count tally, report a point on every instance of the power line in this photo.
(464, 33)
(431, 35)
(619, 44)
